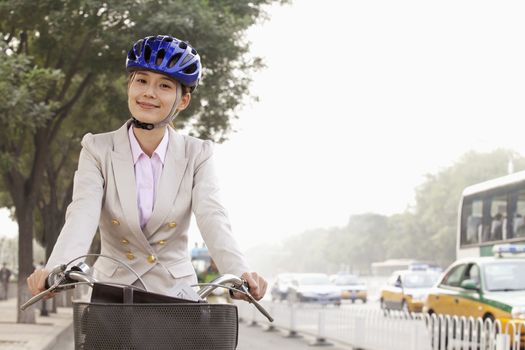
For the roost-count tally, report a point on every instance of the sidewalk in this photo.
(43, 335)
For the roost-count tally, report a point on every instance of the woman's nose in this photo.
(150, 91)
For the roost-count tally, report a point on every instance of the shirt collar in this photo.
(137, 151)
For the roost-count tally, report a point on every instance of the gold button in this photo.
(130, 255)
(151, 259)
(115, 222)
(172, 225)
(162, 242)
(124, 241)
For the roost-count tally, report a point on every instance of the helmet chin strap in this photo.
(171, 115)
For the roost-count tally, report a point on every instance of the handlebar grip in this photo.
(47, 284)
(50, 283)
(55, 274)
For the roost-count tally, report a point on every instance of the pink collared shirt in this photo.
(147, 174)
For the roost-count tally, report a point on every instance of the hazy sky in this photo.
(361, 99)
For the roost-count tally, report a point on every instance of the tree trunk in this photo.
(25, 261)
(52, 225)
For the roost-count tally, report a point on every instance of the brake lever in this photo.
(245, 288)
(42, 294)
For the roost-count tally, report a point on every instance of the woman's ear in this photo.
(184, 102)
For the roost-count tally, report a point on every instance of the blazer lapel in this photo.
(170, 180)
(124, 173)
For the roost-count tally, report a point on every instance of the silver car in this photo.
(315, 288)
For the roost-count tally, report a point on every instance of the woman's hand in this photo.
(37, 280)
(257, 285)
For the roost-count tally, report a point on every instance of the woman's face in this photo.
(151, 96)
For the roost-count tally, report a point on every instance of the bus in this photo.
(491, 212)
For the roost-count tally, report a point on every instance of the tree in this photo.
(24, 111)
(63, 60)
(403, 230)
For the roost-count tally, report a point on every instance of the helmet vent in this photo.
(174, 59)
(131, 55)
(138, 47)
(187, 59)
(147, 53)
(183, 45)
(160, 57)
(167, 40)
(193, 51)
(192, 68)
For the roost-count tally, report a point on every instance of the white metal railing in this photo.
(379, 330)
(453, 332)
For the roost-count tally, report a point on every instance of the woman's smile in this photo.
(147, 105)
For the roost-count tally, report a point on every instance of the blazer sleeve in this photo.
(212, 218)
(83, 214)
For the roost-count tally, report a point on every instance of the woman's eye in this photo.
(165, 86)
(142, 81)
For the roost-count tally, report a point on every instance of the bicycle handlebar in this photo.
(208, 288)
(62, 278)
(239, 285)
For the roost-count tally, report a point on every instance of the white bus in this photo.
(491, 212)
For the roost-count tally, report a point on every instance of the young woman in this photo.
(140, 184)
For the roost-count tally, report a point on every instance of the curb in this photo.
(64, 337)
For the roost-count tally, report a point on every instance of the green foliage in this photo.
(24, 107)
(63, 63)
(216, 29)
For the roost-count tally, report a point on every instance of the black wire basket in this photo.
(150, 321)
(155, 326)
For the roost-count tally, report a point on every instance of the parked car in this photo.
(313, 287)
(407, 290)
(350, 287)
(486, 287)
(280, 286)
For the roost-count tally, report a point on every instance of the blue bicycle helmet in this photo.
(166, 55)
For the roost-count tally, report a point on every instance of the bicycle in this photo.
(120, 316)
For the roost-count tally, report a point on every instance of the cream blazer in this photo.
(105, 196)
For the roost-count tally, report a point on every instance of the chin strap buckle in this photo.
(139, 124)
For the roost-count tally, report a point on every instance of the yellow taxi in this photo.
(351, 287)
(406, 290)
(486, 287)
